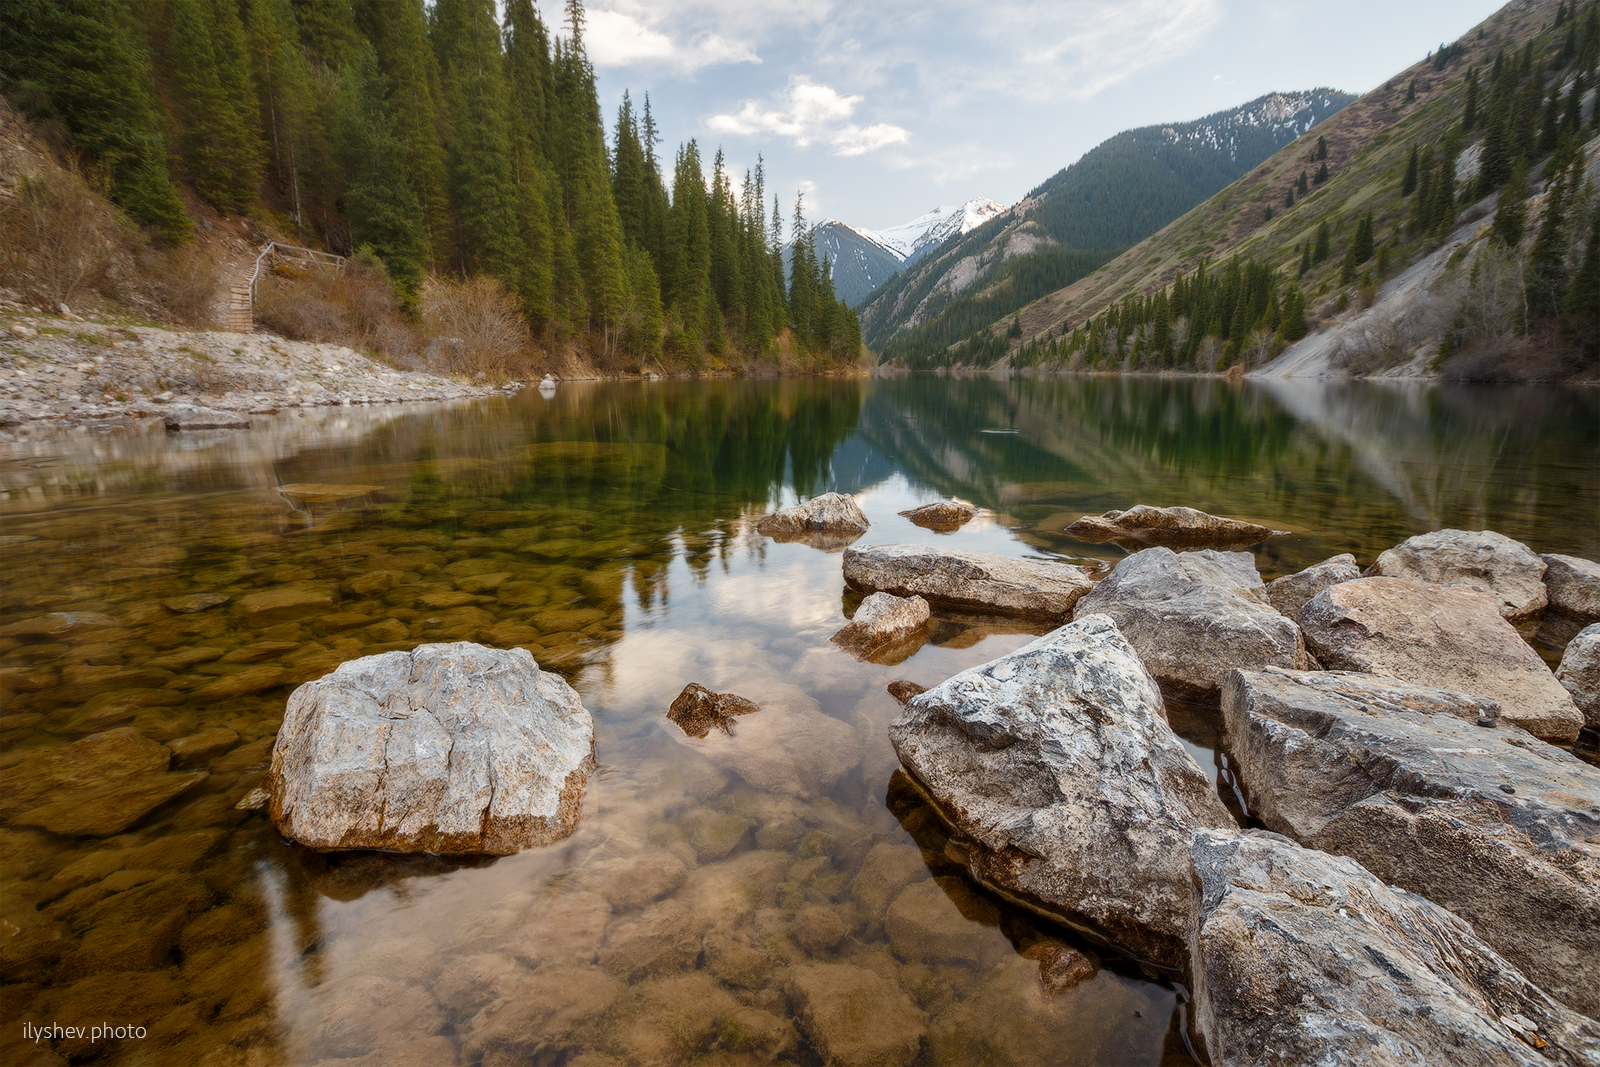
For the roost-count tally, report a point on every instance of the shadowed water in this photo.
(780, 894)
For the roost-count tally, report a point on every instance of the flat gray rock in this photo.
(973, 581)
(1058, 763)
(1290, 593)
(1194, 616)
(1173, 527)
(449, 748)
(1300, 957)
(196, 418)
(1573, 586)
(1487, 821)
(1446, 637)
(1505, 569)
(1579, 673)
(832, 513)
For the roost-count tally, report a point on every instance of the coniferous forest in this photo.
(442, 142)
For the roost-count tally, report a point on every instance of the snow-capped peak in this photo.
(931, 228)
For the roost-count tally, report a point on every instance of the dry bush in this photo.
(475, 325)
(355, 308)
(186, 281)
(58, 238)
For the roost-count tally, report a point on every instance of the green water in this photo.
(609, 529)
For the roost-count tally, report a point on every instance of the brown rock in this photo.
(832, 513)
(903, 691)
(1173, 527)
(1444, 637)
(853, 1016)
(698, 711)
(98, 786)
(1505, 569)
(942, 515)
(885, 620)
(283, 602)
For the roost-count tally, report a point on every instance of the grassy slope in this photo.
(1368, 144)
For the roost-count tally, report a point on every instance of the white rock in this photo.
(1506, 569)
(447, 748)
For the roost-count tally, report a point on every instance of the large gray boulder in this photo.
(1505, 569)
(1300, 957)
(1194, 616)
(1484, 820)
(1179, 526)
(973, 581)
(1290, 593)
(1579, 673)
(1448, 637)
(1573, 586)
(449, 748)
(1058, 763)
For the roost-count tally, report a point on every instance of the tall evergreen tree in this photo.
(529, 78)
(287, 99)
(1408, 184)
(1546, 269)
(479, 159)
(328, 31)
(242, 148)
(400, 33)
(1324, 242)
(205, 114)
(384, 212)
(81, 63)
(1511, 216)
(686, 281)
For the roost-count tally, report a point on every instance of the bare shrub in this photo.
(476, 324)
(356, 308)
(186, 281)
(1259, 347)
(58, 238)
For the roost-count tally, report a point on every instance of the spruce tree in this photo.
(417, 98)
(478, 156)
(384, 212)
(1323, 243)
(1322, 148)
(328, 31)
(1411, 92)
(1305, 259)
(1469, 111)
(1408, 185)
(1322, 174)
(1301, 184)
(1546, 269)
(288, 101)
(1511, 215)
(528, 75)
(686, 283)
(1581, 308)
(83, 64)
(242, 132)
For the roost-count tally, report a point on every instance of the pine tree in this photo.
(205, 114)
(1581, 309)
(1469, 111)
(1546, 269)
(385, 214)
(1288, 198)
(1322, 148)
(328, 31)
(242, 148)
(1305, 260)
(1322, 174)
(81, 64)
(686, 283)
(287, 99)
(1294, 325)
(1301, 184)
(1511, 215)
(1409, 184)
(528, 77)
(1411, 92)
(1324, 242)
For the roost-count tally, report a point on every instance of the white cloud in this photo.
(807, 113)
(617, 39)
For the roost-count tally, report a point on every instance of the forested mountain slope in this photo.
(1119, 192)
(445, 139)
(1485, 153)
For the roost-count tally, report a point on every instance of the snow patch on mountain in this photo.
(909, 240)
(1287, 115)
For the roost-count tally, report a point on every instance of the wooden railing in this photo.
(242, 298)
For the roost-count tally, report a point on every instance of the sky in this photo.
(878, 111)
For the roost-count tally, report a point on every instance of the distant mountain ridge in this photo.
(1117, 194)
(863, 259)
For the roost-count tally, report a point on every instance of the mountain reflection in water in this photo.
(179, 588)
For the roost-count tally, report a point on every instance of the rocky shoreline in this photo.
(57, 370)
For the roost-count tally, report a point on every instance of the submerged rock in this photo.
(1505, 569)
(1446, 637)
(1058, 762)
(447, 748)
(975, 581)
(884, 619)
(790, 748)
(1184, 527)
(854, 1016)
(1579, 672)
(832, 513)
(942, 515)
(96, 786)
(1194, 616)
(903, 691)
(1290, 593)
(698, 711)
(1573, 586)
(1410, 783)
(1302, 957)
(197, 418)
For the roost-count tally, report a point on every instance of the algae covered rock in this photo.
(447, 748)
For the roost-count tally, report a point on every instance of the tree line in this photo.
(440, 138)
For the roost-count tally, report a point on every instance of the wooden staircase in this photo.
(241, 298)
